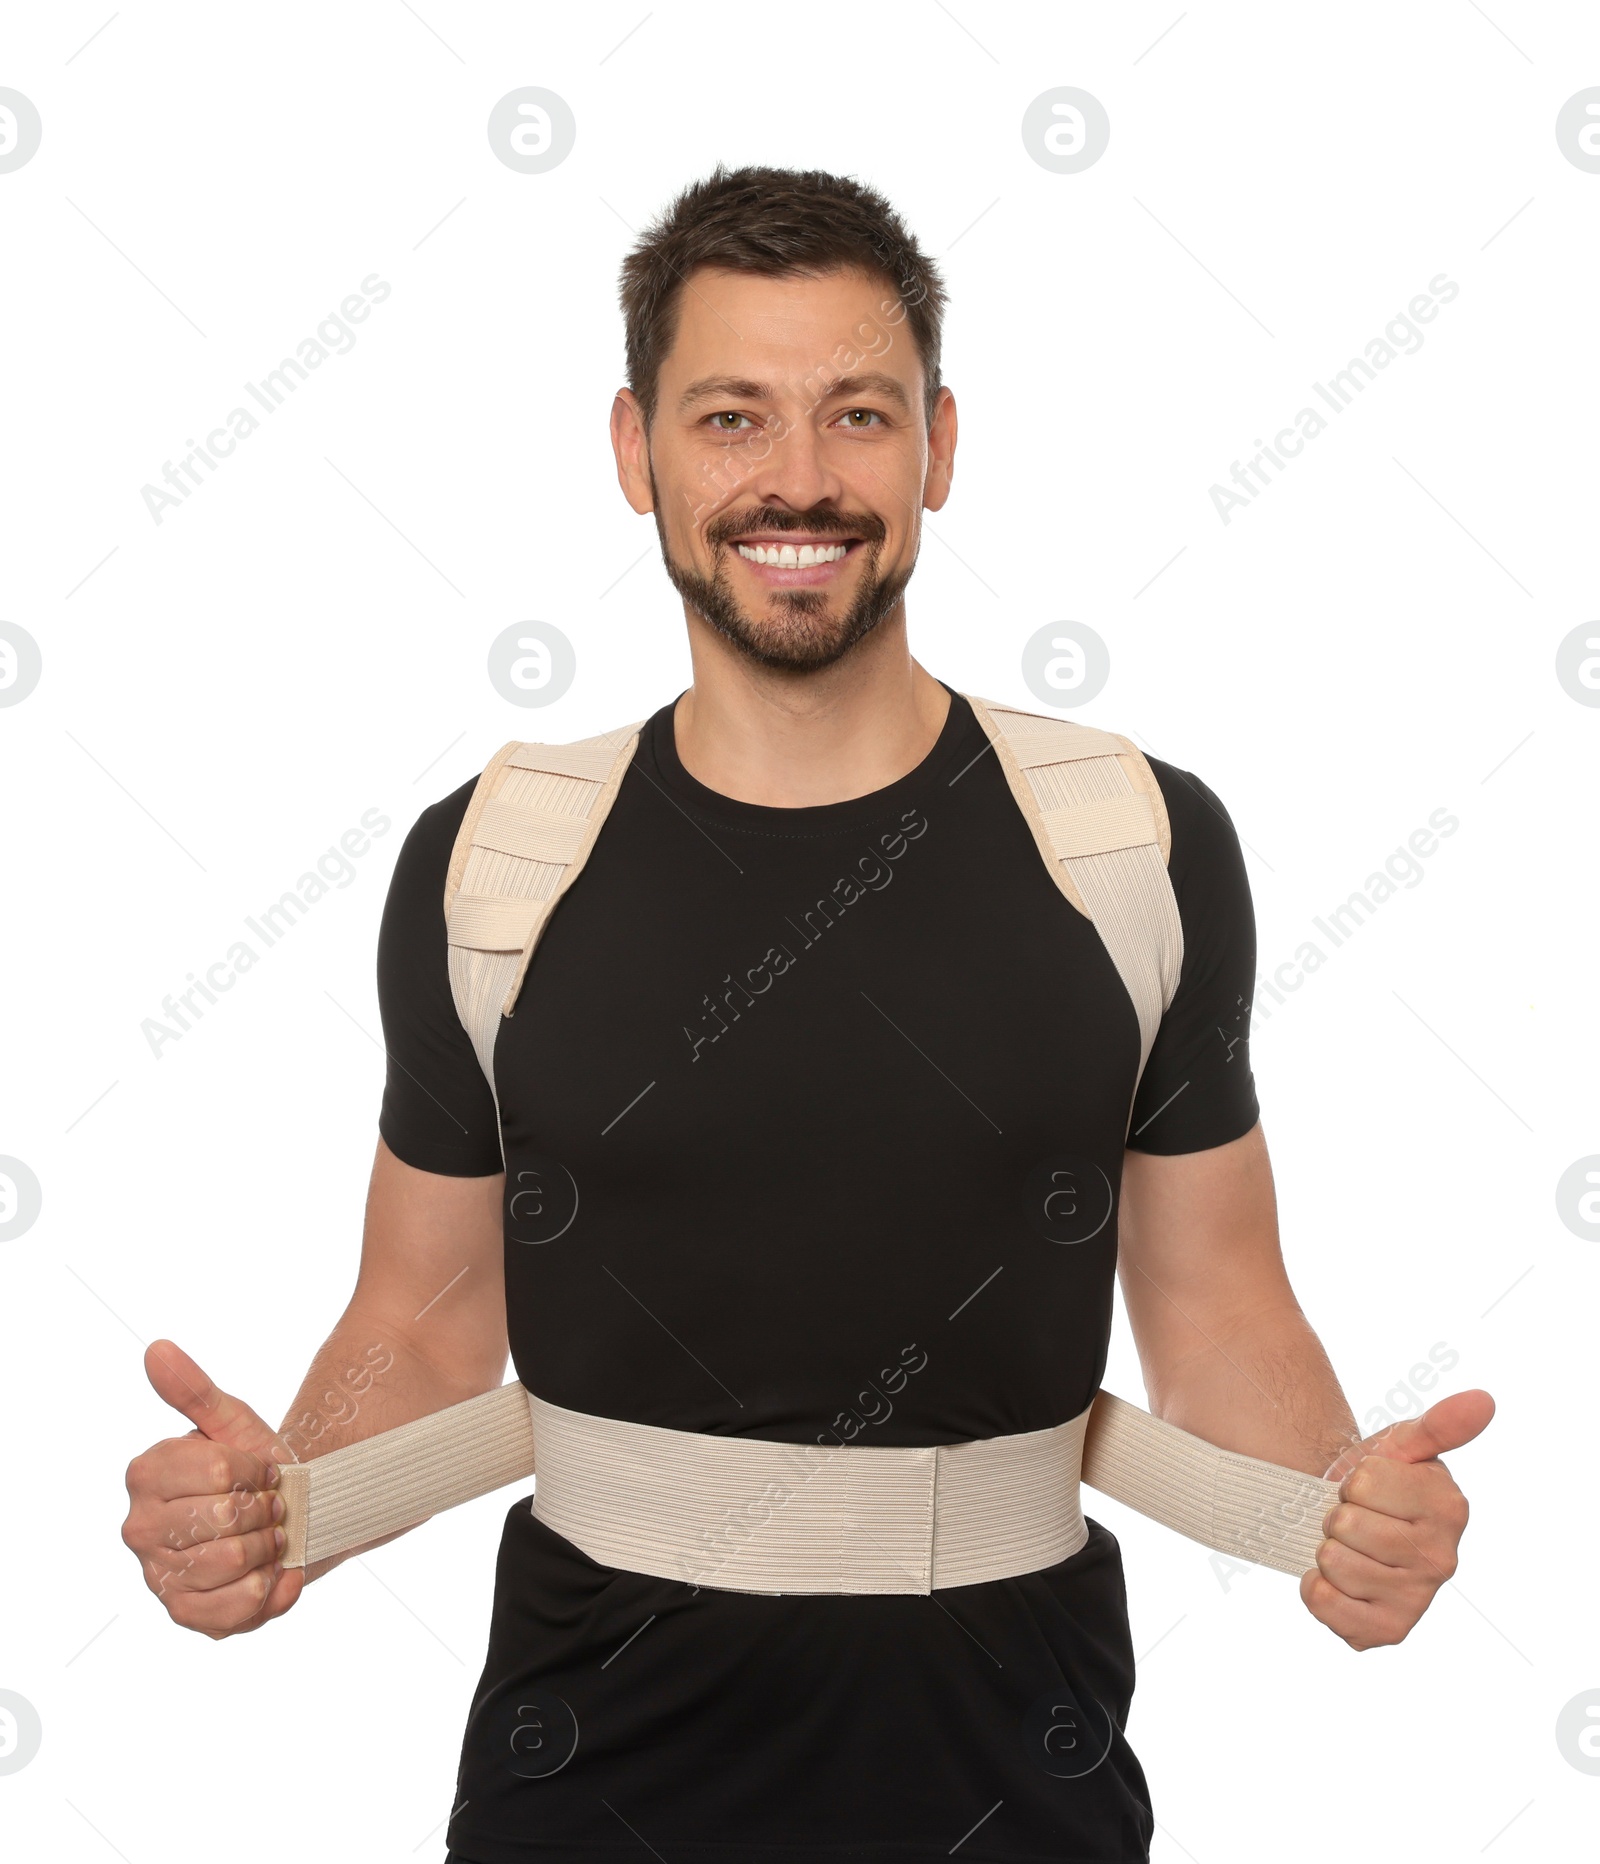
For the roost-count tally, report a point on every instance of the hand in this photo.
(1392, 1537)
(202, 1511)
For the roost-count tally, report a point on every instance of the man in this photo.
(802, 1063)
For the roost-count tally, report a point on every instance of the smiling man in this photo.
(814, 588)
(820, 1132)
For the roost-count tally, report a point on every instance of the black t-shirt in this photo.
(785, 1098)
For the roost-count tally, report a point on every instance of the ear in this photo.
(631, 443)
(941, 451)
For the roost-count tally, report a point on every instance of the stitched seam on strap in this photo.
(486, 786)
(933, 1516)
(930, 1518)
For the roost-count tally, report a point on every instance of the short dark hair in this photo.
(779, 223)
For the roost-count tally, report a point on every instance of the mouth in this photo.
(793, 560)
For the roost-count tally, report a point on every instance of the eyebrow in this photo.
(744, 388)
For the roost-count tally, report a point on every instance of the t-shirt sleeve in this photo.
(438, 1113)
(1198, 1090)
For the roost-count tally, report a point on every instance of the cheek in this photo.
(889, 486)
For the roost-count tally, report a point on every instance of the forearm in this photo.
(367, 1377)
(1263, 1387)
(1226, 1352)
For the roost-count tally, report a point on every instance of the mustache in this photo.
(869, 529)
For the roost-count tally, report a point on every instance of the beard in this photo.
(799, 632)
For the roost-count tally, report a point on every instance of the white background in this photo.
(226, 692)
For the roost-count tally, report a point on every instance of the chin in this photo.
(785, 646)
(803, 635)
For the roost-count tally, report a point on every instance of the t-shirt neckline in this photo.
(816, 818)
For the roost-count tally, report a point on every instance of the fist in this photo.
(203, 1509)
(1391, 1540)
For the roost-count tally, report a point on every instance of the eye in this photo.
(870, 414)
(726, 414)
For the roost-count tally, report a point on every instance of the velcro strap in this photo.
(1239, 1505)
(753, 1514)
(749, 1514)
(535, 834)
(1098, 827)
(1035, 741)
(486, 922)
(401, 1476)
(589, 757)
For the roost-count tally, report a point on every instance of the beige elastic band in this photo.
(749, 1514)
(486, 922)
(535, 834)
(1099, 827)
(1239, 1505)
(754, 1515)
(402, 1476)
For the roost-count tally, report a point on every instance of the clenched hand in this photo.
(1391, 1539)
(203, 1508)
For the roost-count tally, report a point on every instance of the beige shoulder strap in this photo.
(532, 819)
(1089, 796)
(1099, 818)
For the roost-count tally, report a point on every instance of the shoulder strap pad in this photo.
(1089, 796)
(532, 819)
(1100, 821)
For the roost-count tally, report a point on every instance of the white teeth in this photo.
(785, 556)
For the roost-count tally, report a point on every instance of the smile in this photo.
(788, 556)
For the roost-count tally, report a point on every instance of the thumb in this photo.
(1446, 1425)
(214, 1413)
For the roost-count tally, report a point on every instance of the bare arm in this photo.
(1225, 1349)
(425, 1326)
(1228, 1355)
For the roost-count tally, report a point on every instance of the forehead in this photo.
(782, 329)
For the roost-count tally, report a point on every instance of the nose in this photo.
(794, 471)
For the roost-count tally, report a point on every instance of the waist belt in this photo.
(750, 1514)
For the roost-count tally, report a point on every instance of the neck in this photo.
(795, 740)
